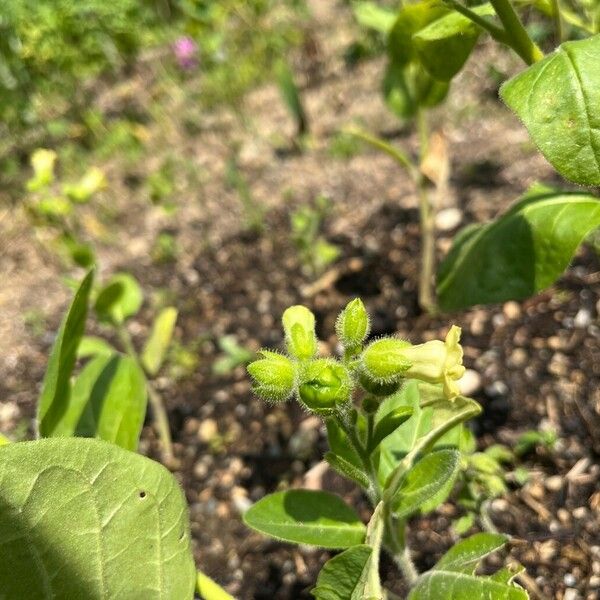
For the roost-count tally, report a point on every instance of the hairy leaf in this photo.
(307, 517)
(425, 480)
(343, 467)
(54, 399)
(81, 518)
(344, 576)
(519, 254)
(558, 100)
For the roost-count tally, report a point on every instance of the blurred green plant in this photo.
(234, 355)
(253, 212)
(52, 206)
(314, 251)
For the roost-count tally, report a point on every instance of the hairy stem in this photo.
(427, 223)
(518, 38)
(400, 550)
(159, 413)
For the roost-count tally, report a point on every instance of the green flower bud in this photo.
(274, 376)
(299, 327)
(370, 405)
(384, 360)
(378, 389)
(324, 384)
(352, 325)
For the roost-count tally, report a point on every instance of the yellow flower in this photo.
(437, 362)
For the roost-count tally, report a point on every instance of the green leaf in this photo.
(112, 391)
(453, 577)
(442, 585)
(344, 576)
(519, 254)
(157, 344)
(343, 467)
(465, 555)
(558, 100)
(430, 475)
(81, 518)
(373, 16)
(307, 517)
(54, 399)
(387, 424)
(209, 590)
(93, 346)
(340, 444)
(411, 18)
(444, 45)
(291, 95)
(119, 299)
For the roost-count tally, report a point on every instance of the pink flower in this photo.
(186, 52)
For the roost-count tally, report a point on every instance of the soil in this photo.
(538, 361)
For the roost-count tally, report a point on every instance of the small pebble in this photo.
(554, 483)
(207, 430)
(569, 580)
(583, 318)
(448, 219)
(469, 383)
(511, 310)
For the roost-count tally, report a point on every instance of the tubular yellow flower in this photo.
(438, 362)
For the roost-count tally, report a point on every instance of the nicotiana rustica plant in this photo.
(395, 425)
(557, 97)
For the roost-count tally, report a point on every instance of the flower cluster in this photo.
(324, 385)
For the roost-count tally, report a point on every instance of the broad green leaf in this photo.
(4, 440)
(307, 517)
(519, 254)
(54, 399)
(93, 346)
(465, 555)
(119, 299)
(157, 344)
(411, 18)
(81, 518)
(425, 480)
(558, 100)
(110, 396)
(344, 576)
(373, 16)
(444, 45)
(449, 585)
(343, 467)
(209, 590)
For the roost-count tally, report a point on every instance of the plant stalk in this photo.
(159, 413)
(427, 224)
(496, 32)
(518, 38)
(556, 16)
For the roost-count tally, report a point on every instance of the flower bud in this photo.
(299, 327)
(352, 325)
(324, 384)
(384, 360)
(274, 376)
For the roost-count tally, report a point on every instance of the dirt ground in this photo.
(538, 362)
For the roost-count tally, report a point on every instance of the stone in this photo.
(448, 219)
(469, 383)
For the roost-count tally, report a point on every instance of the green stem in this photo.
(485, 517)
(375, 492)
(400, 550)
(518, 38)
(398, 155)
(427, 224)
(556, 16)
(159, 413)
(496, 32)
